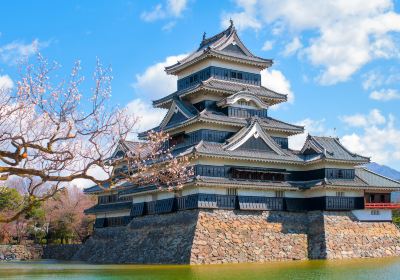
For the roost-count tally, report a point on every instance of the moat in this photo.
(360, 269)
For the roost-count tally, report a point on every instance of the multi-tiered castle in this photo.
(220, 113)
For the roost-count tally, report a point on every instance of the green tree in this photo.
(10, 199)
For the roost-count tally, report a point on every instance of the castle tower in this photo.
(220, 113)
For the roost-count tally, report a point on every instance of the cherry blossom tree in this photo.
(52, 133)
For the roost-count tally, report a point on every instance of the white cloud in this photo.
(379, 140)
(6, 83)
(359, 120)
(96, 172)
(312, 127)
(292, 47)
(276, 81)
(157, 13)
(372, 79)
(345, 35)
(377, 78)
(13, 52)
(154, 82)
(268, 45)
(385, 94)
(245, 19)
(177, 6)
(169, 26)
(173, 8)
(149, 117)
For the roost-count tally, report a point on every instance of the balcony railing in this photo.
(340, 203)
(382, 205)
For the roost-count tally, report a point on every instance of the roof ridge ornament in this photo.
(204, 36)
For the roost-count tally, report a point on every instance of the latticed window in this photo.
(107, 199)
(279, 193)
(341, 194)
(231, 191)
(375, 212)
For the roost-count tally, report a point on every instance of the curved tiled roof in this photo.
(267, 123)
(225, 87)
(331, 148)
(217, 149)
(218, 46)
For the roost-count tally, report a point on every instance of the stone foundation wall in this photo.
(232, 236)
(153, 239)
(20, 252)
(63, 252)
(345, 237)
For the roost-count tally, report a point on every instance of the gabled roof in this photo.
(188, 111)
(225, 45)
(375, 179)
(331, 148)
(245, 95)
(224, 87)
(134, 147)
(217, 150)
(207, 116)
(252, 130)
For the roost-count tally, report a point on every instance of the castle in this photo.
(245, 172)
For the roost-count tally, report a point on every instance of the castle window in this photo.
(226, 74)
(240, 76)
(233, 75)
(375, 212)
(279, 193)
(341, 194)
(231, 191)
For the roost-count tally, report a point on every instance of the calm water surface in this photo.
(368, 269)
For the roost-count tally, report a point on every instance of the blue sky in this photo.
(338, 60)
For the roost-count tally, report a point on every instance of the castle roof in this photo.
(225, 45)
(209, 116)
(111, 207)
(243, 95)
(213, 149)
(223, 87)
(330, 148)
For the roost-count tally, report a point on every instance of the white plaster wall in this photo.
(142, 198)
(165, 195)
(347, 193)
(295, 194)
(249, 192)
(321, 192)
(189, 191)
(113, 214)
(212, 190)
(365, 215)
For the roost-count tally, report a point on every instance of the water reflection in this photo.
(357, 269)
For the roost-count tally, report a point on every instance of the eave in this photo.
(165, 102)
(260, 63)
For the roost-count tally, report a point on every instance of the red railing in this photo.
(383, 205)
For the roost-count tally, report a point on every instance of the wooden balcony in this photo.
(382, 205)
